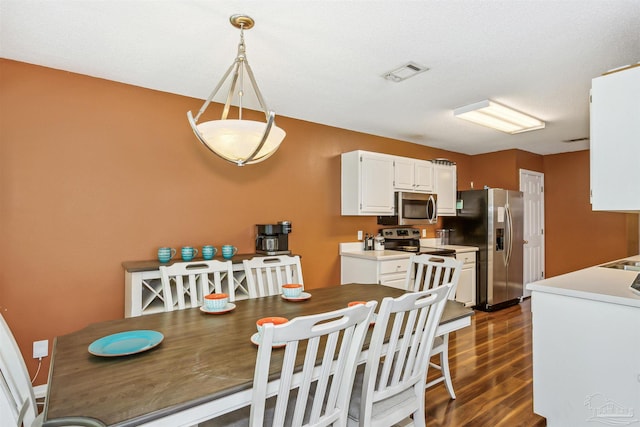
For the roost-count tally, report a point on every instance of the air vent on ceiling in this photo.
(409, 69)
(576, 139)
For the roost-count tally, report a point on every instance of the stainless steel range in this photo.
(408, 240)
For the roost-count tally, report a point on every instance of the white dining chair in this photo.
(430, 271)
(390, 387)
(17, 398)
(317, 393)
(425, 272)
(189, 282)
(266, 275)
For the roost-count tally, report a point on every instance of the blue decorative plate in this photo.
(125, 343)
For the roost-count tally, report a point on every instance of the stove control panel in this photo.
(400, 233)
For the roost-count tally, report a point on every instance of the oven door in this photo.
(416, 208)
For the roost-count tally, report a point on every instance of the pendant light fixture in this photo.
(239, 141)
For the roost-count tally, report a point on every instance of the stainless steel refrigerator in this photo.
(492, 220)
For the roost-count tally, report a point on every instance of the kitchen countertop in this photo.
(456, 248)
(595, 283)
(376, 255)
(431, 243)
(354, 249)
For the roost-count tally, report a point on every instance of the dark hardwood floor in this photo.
(491, 368)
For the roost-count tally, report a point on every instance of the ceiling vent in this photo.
(409, 69)
(568, 141)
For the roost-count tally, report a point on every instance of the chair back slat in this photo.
(327, 346)
(430, 271)
(266, 275)
(189, 282)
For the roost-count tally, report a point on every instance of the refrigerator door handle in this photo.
(509, 235)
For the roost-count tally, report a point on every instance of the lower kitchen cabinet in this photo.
(370, 267)
(466, 290)
(586, 356)
(390, 268)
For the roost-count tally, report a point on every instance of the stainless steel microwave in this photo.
(412, 209)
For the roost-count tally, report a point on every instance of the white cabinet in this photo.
(388, 272)
(413, 175)
(143, 293)
(615, 132)
(393, 272)
(366, 183)
(445, 187)
(586, 360)
(423, 172)
(466, 290)
(403, 174)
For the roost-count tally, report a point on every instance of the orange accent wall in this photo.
(95, 172)
(501, 169)
(577, 237)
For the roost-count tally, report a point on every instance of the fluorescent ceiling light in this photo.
(496, 116)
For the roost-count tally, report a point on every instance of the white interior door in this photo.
(532, 185)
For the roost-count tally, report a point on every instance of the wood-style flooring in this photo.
(491, 368)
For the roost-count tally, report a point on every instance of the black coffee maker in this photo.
(273, 239)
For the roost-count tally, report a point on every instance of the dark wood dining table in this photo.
(203, 367)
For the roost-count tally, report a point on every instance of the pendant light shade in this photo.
(238, 141)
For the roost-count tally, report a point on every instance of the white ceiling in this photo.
(322, 61)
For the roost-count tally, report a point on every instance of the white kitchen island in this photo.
(586, 348)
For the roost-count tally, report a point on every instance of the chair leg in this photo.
(444, 363)
(418, 418)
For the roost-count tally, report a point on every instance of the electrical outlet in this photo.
(424, 232)
(40, 349)
(359, 234)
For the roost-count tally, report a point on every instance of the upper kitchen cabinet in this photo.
(367, 183)
(413, 175)
(446, 186)
(615, 136)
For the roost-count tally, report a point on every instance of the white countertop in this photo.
(594, 283)
(354, 249)
(432, 243)
(457, 248)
